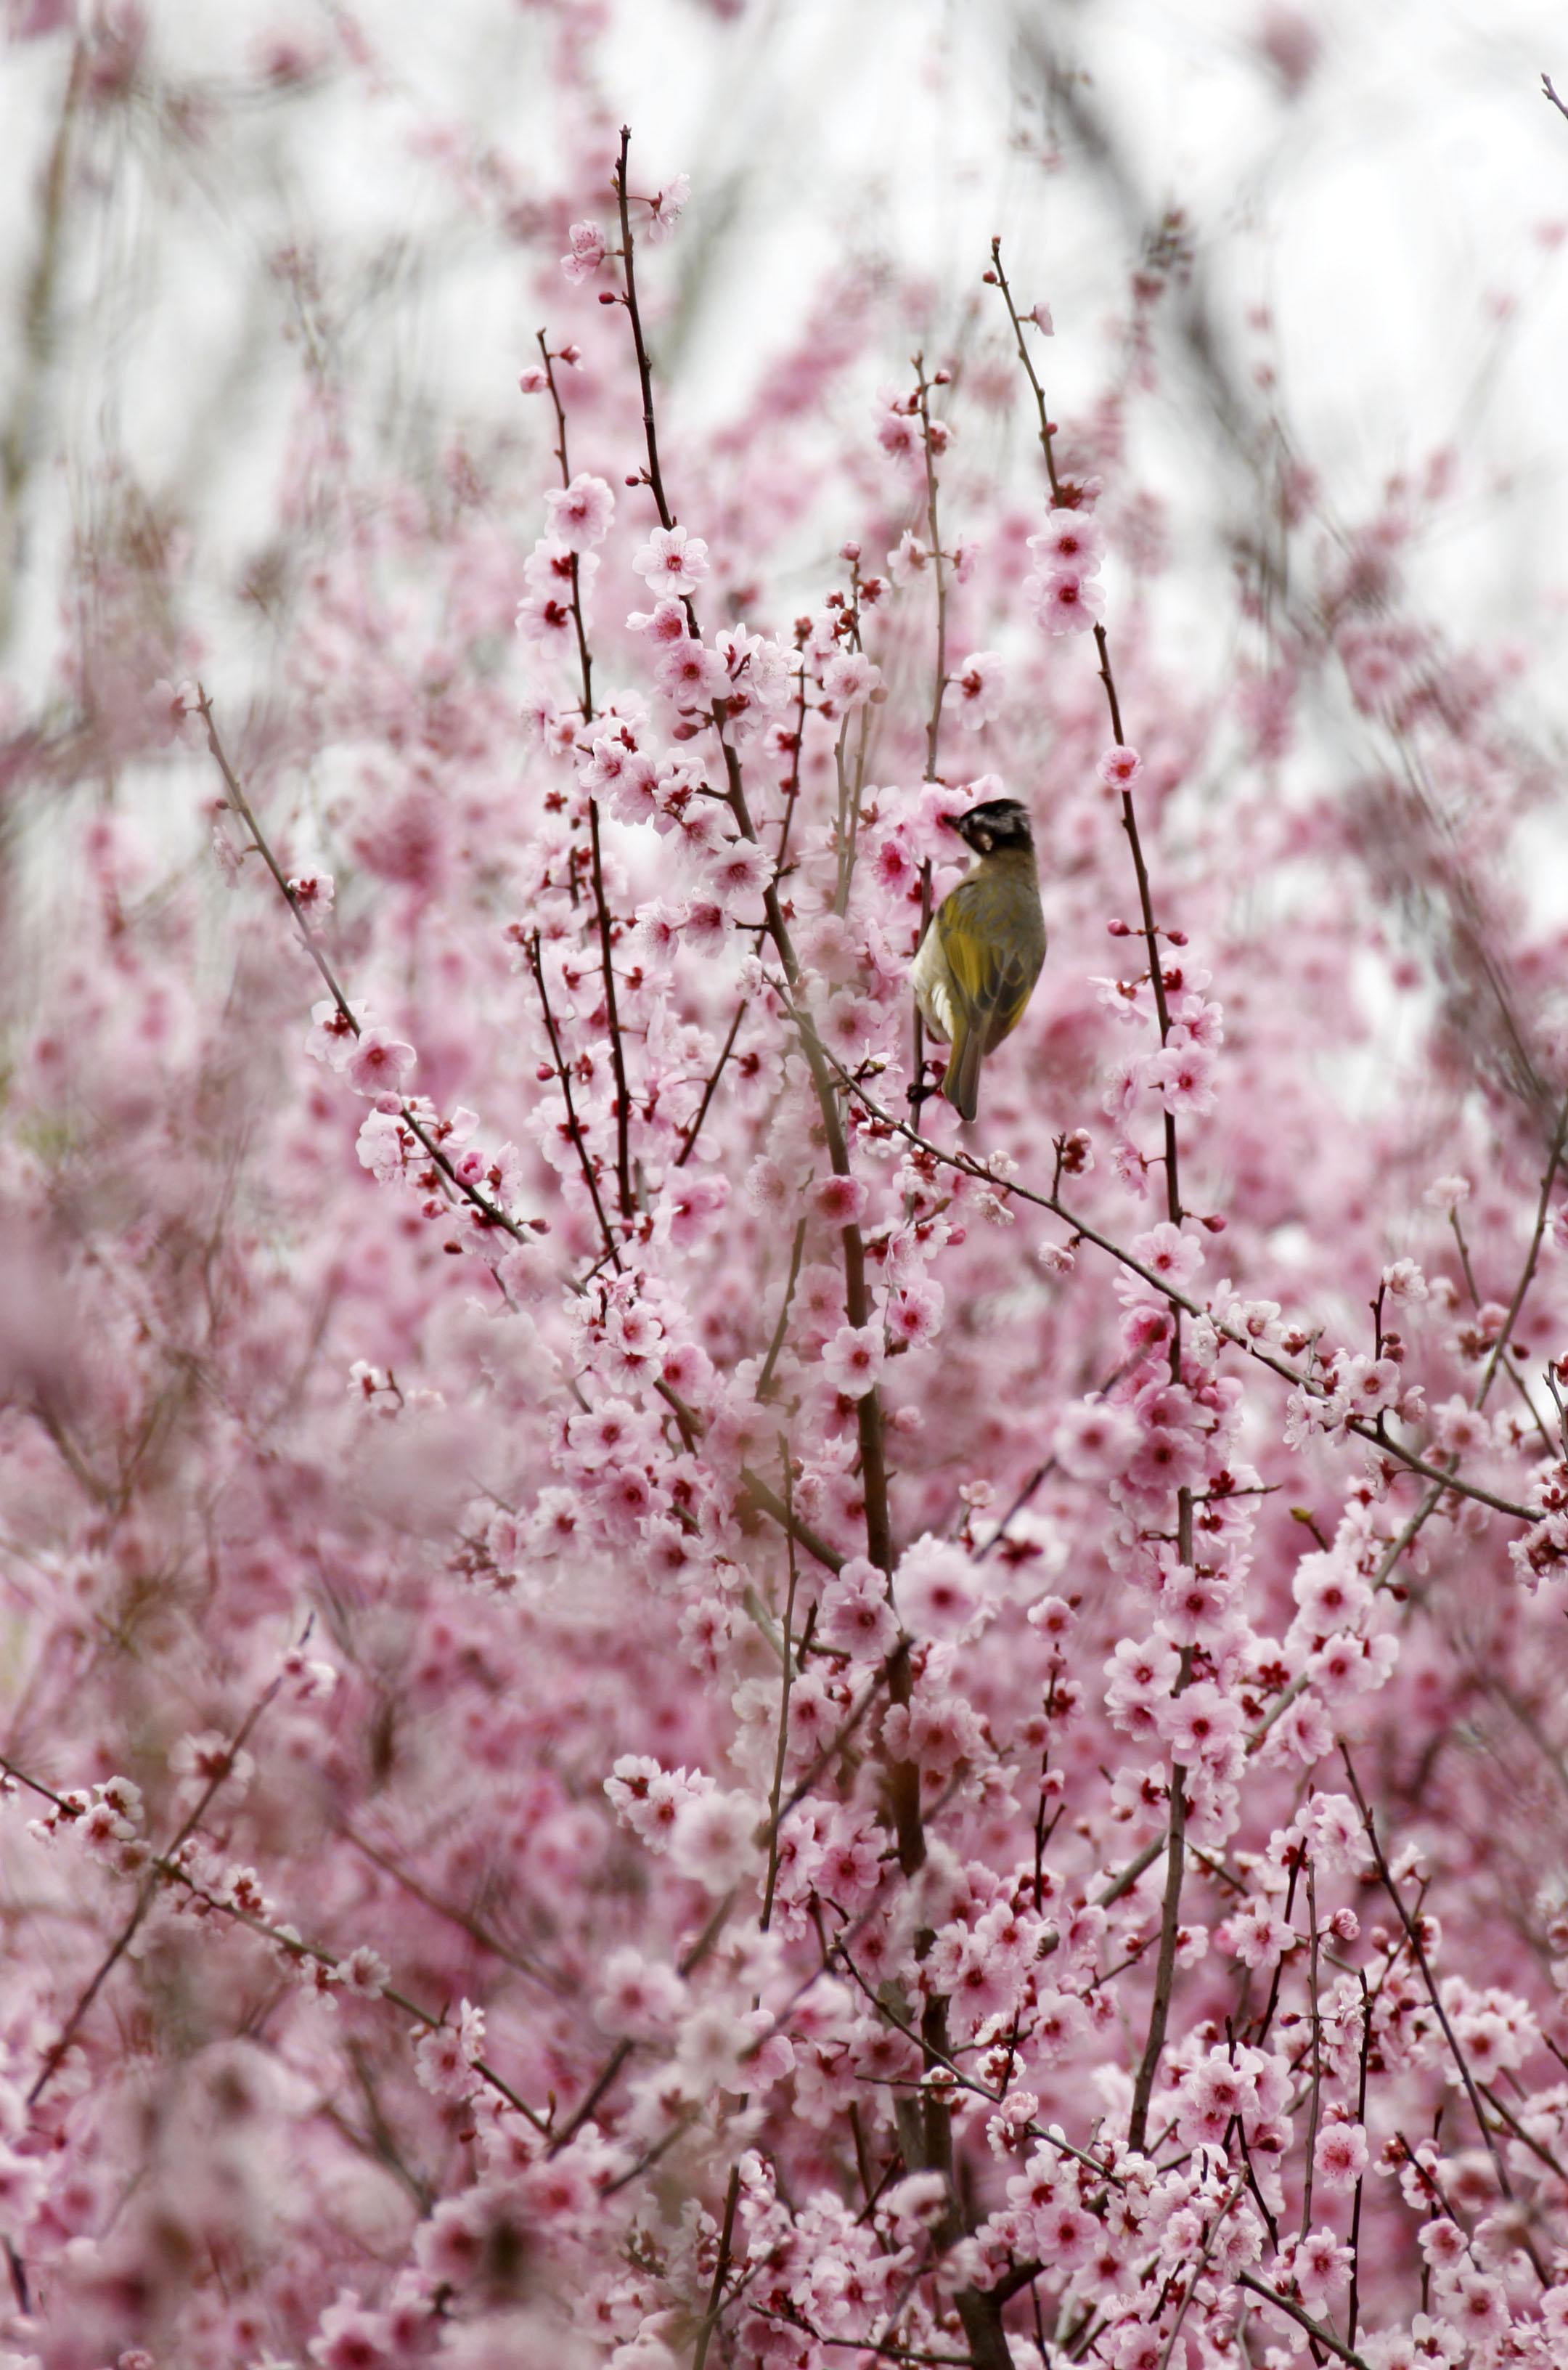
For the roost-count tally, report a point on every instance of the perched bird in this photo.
(983, 947)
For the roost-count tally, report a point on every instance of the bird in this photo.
(983, 947)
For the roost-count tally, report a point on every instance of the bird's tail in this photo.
(962, 1083)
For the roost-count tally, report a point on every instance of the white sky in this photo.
(1381, 214)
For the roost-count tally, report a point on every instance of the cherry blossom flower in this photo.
(980, 684)
(851, 679)
(580, 513)
(1067, 604)
(379, 1063)
(853, 1360)
(666, 207)
(738, 873)
(1119, 768)
(1072, 544)
(938, 1589)
(672, 562)
(586, 251)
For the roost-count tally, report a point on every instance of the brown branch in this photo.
(1085, 1232)
(644, 367)
(788, 1659)
(1303, 2320)
(934, 722)
(574, 1125)
(145, 1898)
(1030, 371)
(239, 804)
(690, 1138)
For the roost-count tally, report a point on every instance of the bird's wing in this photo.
(960, 925)
(991, 987)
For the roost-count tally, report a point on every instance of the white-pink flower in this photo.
(1182, 1076)
(380, 1064)
(737, 874)
(671, 561)
(587, 253)
(666, 207)
(1094, 1440)
(850, 679)
(979, 687)
(938, 1589)
(853, 1360)
(1341, 2155)
(692, 675)
(582, 513)
(1066, 603)
(1119, 767)
(857, 1619)
(713, 1838)
(1072, 545)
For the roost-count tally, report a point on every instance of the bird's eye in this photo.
(984, 842)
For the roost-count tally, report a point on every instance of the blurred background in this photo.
(1368, 205)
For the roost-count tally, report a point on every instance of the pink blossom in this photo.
(858, 1618)
(1201, 1724)
(1341, 2155)
(980, 683)
(444, 2059)
(914, 1314)
(1072, 545)
(637, 1997)
(842, 1201)
(1119, 768)
(911, 559)
(666, 622)
(1447, 1193)
(738, 873)
(582, 514)
(1066, 603)
(587, 253)
(713, 1838)
(692, 675)
(853, 1360)
(851, 679)
(380, 1064)
(1182, 1076)
(666, 207)
(1094, 1439)
(672, 562)
(938, 1589)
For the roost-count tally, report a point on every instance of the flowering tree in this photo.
(661, 1708)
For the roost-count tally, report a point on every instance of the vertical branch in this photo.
(645, 368)
(903, 1776)
(774, 1798)
(574, 1125)
(1418, 1951)
(601, 905)
(617, 1055)
(1146, 909)
(1171, 1911)
(1354, 2306)
(939, 687)
(1317, 2091)
(918, 1088)
(999, 278)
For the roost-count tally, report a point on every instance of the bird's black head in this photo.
(998, 823)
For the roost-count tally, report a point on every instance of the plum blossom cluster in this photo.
(661, 1708)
